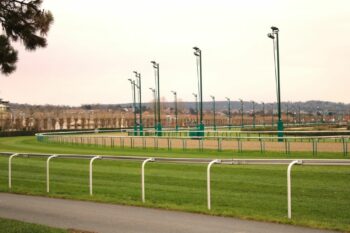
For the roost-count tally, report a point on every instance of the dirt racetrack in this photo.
(211, 144)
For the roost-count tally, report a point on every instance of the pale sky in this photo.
(93, 47)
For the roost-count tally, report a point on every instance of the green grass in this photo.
(13, 226)
(320, 194)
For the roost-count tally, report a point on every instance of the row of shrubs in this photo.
(16, 133)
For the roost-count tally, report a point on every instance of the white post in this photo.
(48, 172)
(143, 177)
(10, 158)
(91, 161)
(208, 181)
(289, 186)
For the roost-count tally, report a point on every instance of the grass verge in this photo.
(13, 226)
(320, 194)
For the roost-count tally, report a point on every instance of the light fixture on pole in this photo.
(214, 120)
(154, 107)
(196, 98)
(133, 84)
(175, 102)
(156, 71)
(229, 112)
(242, 120)
(287, 114)
(253, 114)
(272, 120)
(275, 37)
(138, 79)
(198, 54)
(263, 112)
(299, 116)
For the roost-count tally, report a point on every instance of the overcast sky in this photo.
(95, 45)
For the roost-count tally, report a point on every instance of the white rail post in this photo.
(289, 186)
(91, 161)
(10, 158)
(208, 181)
(143, 177)
(48, 172)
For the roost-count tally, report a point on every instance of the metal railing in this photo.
(208, 162)
(214, 140)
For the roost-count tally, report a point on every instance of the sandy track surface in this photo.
(213, 144)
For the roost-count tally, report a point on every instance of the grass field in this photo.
(12, 226)
(320, 194)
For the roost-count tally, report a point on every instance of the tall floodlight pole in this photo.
(175, 103)
(196, 98)
(214, 120)
(156, 71)
(253, 114)
(263, 112)
(138, 79)
(295, 114)
(318, 114)
(133, 84)
(275, 38)
(287, 114)
(229, 112)
(154, 106)
(272, 120)
(299, 114)
(198, 54)
(242, 120)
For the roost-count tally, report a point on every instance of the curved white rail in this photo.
(289, 186)
(10, 169)
(91, 161)
(208, 181)
(48, 172)
(143, 177)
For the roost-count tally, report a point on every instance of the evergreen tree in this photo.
(24, 21)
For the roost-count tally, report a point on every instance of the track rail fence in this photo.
(239, 141)
(208, 162)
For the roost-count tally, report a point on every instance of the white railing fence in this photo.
(209, 162)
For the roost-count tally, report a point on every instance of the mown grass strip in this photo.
(13, 226)
(320, 194)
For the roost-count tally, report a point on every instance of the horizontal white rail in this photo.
(209, 162)
(188, 160)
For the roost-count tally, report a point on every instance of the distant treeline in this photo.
(324, 107)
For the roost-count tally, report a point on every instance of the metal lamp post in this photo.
(263, 112)
(133, 84)
(242, 120)
(275, 38)
(299, 116)
(214, 122)
(196, 98)
(229, 112)
(198, 54)
(287, 115)
(272, 120)
(155, 107)
(138, 78)
(156, 71)
(175, 103)
(253, 114)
